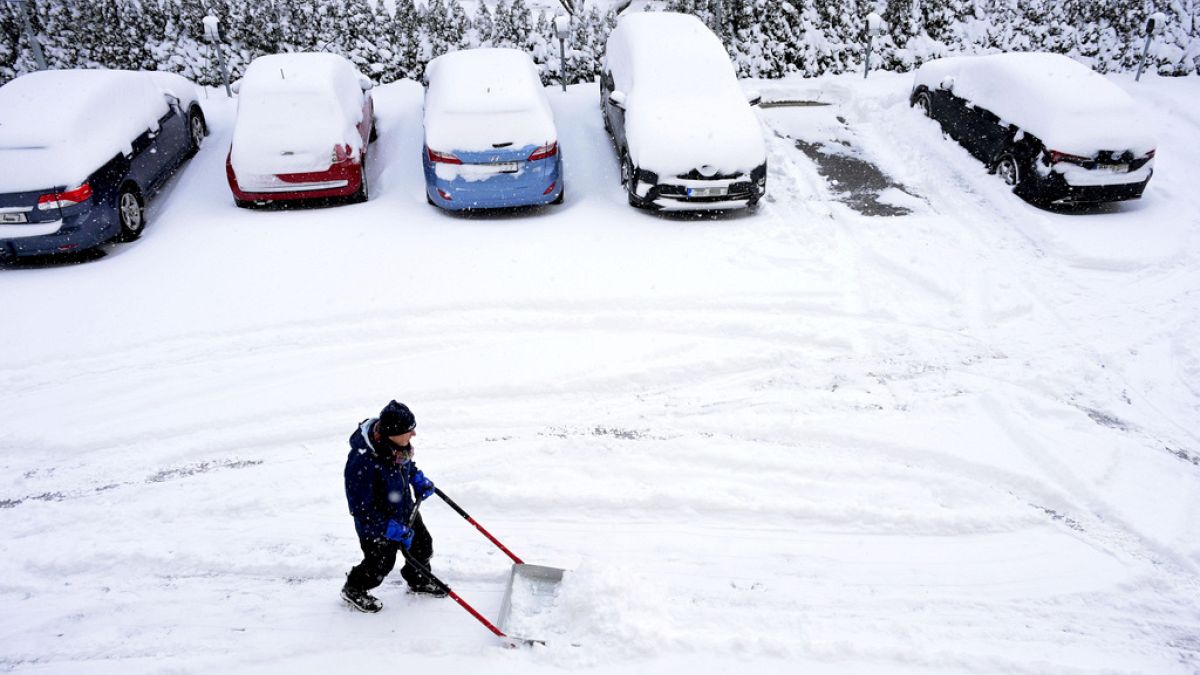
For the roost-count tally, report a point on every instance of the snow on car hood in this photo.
(293, 109)
(684, 108)
(479, 98)
(1061, 101)
(676, 136)
(58, 126)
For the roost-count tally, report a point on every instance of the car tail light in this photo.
(443, 157)
(61, 200)
(341, 153)
(551, 188)
(544, 151)
(1056, 157)
(445, 195)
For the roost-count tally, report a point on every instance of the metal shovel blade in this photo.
(528, 602)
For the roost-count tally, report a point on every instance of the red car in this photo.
(304, 125)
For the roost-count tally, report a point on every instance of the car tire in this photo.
(244, 203)
(1007, 168)
(429, 200)
(562, 196)
(131, 213)
(627, 181)
(925, 104)
(197, 130)
(363, 193)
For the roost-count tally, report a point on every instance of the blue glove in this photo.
(399, 533)
(422, 485)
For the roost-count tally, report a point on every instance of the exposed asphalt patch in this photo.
(791, 104)
(854, 181)
(160, 477)
(1184, 455)
(1105, 419)
(1055, 515)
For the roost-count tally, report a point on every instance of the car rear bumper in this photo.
(1054, 189)
(538, 183)
(340, 180)
(74, 233)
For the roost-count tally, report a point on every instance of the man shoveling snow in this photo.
(379, 472)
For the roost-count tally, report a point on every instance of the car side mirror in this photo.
(617, 98)
(947, 83)
(236, 87)
(753, 97)
(365, 84)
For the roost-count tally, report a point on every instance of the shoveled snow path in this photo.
(800, 438)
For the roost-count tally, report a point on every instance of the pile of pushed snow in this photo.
(480, 99)
(59, 126)
(684, 107)
(293, 110)
(1064, 103)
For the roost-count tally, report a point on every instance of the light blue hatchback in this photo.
(490, 139)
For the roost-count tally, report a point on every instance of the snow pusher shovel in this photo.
(530, 587)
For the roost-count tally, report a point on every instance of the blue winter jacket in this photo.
(376, 486)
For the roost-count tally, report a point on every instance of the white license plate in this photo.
(1114, 168)
(505, 167)
(13, 218)
(708, 192)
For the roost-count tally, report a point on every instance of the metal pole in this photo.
(867, 64)
(562, 62)
(33, 42)
(1145, 52)
(224, 70)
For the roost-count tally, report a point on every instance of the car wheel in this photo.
(925, 104)
(131, 212)
(196, 131)
(627, 181)
(1006, 167)
(362, 194)
(243, 203)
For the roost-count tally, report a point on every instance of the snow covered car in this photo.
(685, 132)
(1047, 125)
(84, 150)
(490, 139)
(304, 123)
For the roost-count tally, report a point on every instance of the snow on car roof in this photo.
(59, 126)
(478, 98)
(1061, 101)
(684, 107)
(292, 110)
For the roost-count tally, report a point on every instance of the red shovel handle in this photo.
(442, 585)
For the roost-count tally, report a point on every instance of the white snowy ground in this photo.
(960, 441)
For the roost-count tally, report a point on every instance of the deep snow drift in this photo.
(960, 440)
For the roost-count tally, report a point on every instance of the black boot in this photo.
(361, 600)
(426, 587)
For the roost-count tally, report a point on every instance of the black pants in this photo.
(379, 558)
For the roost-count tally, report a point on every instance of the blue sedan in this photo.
(88, 149)
(490, 139)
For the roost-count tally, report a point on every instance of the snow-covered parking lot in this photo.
(962, 439)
